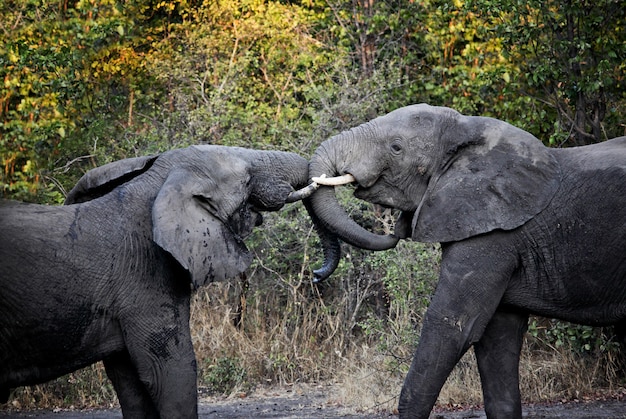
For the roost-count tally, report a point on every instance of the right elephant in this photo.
(524, 229)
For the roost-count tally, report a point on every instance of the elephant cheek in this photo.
(243, 222)
(376, 196)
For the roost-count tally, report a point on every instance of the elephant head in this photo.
(452, 176)
(204, 200)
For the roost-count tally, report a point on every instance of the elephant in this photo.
(109, 275)
(524, 230)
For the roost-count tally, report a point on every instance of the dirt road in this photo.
(314, 402)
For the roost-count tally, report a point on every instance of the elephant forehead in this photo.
(437, 113)
(218, 152)
(409, 116)
(219, 162)
(435, 110)
(208, 147)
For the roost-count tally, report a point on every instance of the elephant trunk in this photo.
(292, 168)
(331, 219)
(275, 176)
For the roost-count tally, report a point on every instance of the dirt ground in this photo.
(320, 402)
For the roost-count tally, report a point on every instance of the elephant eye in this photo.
(396, 147)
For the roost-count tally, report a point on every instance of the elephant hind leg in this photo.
(131, 392)
(497, 355)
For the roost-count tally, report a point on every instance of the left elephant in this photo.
(109, 276)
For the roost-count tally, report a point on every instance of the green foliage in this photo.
(224, 375)
(256, 85)
(409, 275)
(571, 56)
(100, 80)
(579, 339)
(66, 68)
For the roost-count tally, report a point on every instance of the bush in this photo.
(223, 375)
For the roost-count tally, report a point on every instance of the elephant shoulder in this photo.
(101, 180)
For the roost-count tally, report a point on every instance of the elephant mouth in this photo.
(376, 193)
(370, 193)
(383, 193)
(242, 223)
(373, 195)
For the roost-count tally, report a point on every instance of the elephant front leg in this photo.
(441, 346)
(471, 285)
(170, 375)
(132, 394)
(497, 355)
(166, 365)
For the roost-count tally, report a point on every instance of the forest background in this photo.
(91, 81)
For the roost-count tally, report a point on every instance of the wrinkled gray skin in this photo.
(525, 229)
(109, 276)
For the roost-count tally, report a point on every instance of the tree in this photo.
(571, 56)
(69, 68)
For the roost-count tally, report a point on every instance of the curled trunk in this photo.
(331, 220)
(275, 176)
(330, 245)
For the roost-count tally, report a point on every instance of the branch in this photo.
(67, 165)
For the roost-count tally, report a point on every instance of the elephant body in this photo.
(110, 275)
(572, 263)
(524, 229)
(567, 262)
(68, 306)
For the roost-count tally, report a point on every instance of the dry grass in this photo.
(85, 388)
(302, 341)
(560, 374)
(547, 375)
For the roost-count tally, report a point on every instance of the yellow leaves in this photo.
(116, 61)
(44, 106)
(166, 5)
(10, 82)
(28, 167)
(13, 56)
(104, 68)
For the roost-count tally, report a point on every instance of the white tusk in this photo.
(303, 193)
(334, 181)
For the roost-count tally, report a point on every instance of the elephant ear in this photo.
(493, 176)
(102, 180)
(189, 222)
